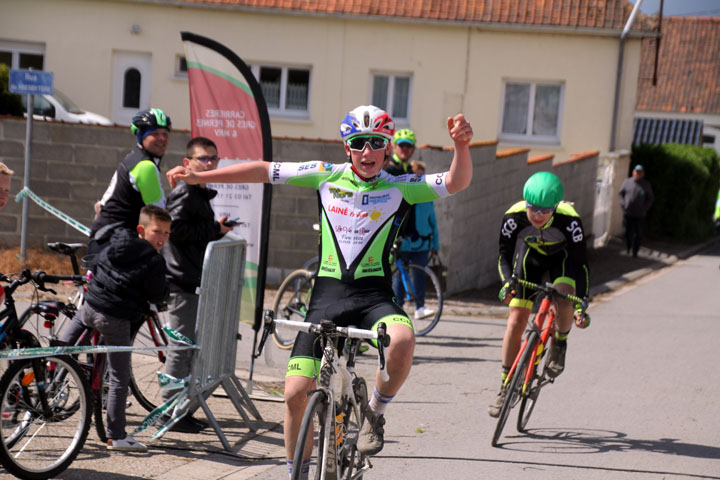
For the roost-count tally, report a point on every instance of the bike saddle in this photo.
(66, 248)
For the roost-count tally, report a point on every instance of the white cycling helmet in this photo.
(367, 120)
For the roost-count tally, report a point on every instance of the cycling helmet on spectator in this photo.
(543, 189)
(367, 120)
(405, 135)
(146, 121)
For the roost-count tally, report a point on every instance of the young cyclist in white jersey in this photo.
(362, 208)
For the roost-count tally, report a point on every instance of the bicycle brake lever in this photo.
(383, 341)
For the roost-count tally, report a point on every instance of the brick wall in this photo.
(72, 165)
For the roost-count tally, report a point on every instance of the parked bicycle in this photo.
(45, 403)
(528, 375)
(144, 363)
(337, 404)
(421, 288)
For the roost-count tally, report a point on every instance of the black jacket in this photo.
(193, 227)
(127, 193)
(129, 275)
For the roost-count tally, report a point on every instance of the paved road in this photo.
(638, 400)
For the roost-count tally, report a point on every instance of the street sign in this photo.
(31, 82)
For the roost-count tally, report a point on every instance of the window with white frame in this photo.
(286, 89)
(531, 111)
(24, 55)
(391, 92)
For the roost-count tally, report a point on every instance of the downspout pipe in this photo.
(618, 77)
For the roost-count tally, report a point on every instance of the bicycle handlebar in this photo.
(550, 288)
(39, 278)
(327, 328)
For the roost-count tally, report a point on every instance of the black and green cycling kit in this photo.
(136, 183)
(359, 221)
(558, 247)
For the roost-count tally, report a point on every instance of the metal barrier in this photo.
(216, 332)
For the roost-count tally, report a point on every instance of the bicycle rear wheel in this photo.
(538, 381)
(315, 412)
(145, 364)
(422, 322)
(513, 389)
(291, 303)
(36, 443)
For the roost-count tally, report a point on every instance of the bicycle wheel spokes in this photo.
(538, 381)
(35, 442)
(352, 462)
(146, 363)
(291, 303)
(514, 387)
(423, 288)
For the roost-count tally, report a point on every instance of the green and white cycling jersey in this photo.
(359, 219)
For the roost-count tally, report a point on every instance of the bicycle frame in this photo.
(544, 325)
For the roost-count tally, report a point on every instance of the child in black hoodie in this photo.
(129, 275)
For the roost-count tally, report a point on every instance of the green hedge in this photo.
(685, 180)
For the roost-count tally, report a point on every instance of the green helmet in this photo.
(151, 118)
(543, 189)
(404, 136)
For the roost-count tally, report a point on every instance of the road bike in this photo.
(528, 373)
(335, 410)
(418, 282)
(45, 403)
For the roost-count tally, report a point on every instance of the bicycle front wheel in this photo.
(513, 389)
(425, 319)
(100, 386)
(145, 364)
(530, 398)
(314, 413)
(45, 416)
(291, 303)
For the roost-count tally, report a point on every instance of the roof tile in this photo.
(688, 71)
(604, 14)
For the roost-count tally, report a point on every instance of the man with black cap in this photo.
(636, 196)
(136, 181)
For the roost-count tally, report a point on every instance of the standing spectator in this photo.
(5, 175)
(129, 275)
(136, 181)
(403, 148)
(193, 227)
(636, 196)
(420, 240)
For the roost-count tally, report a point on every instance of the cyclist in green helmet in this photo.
(403, 148)
(540, 234)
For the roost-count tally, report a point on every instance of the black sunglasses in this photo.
(358, 143)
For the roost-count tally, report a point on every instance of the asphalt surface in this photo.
(451, 374)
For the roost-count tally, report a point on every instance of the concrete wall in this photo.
(72, 165)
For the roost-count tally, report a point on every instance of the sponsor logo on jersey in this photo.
(325, 167)
(375, 199)
(340, 193)
(307, 166)
(275, 171)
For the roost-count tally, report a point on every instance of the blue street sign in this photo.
(31, 82)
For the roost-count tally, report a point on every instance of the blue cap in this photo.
(639, 168)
